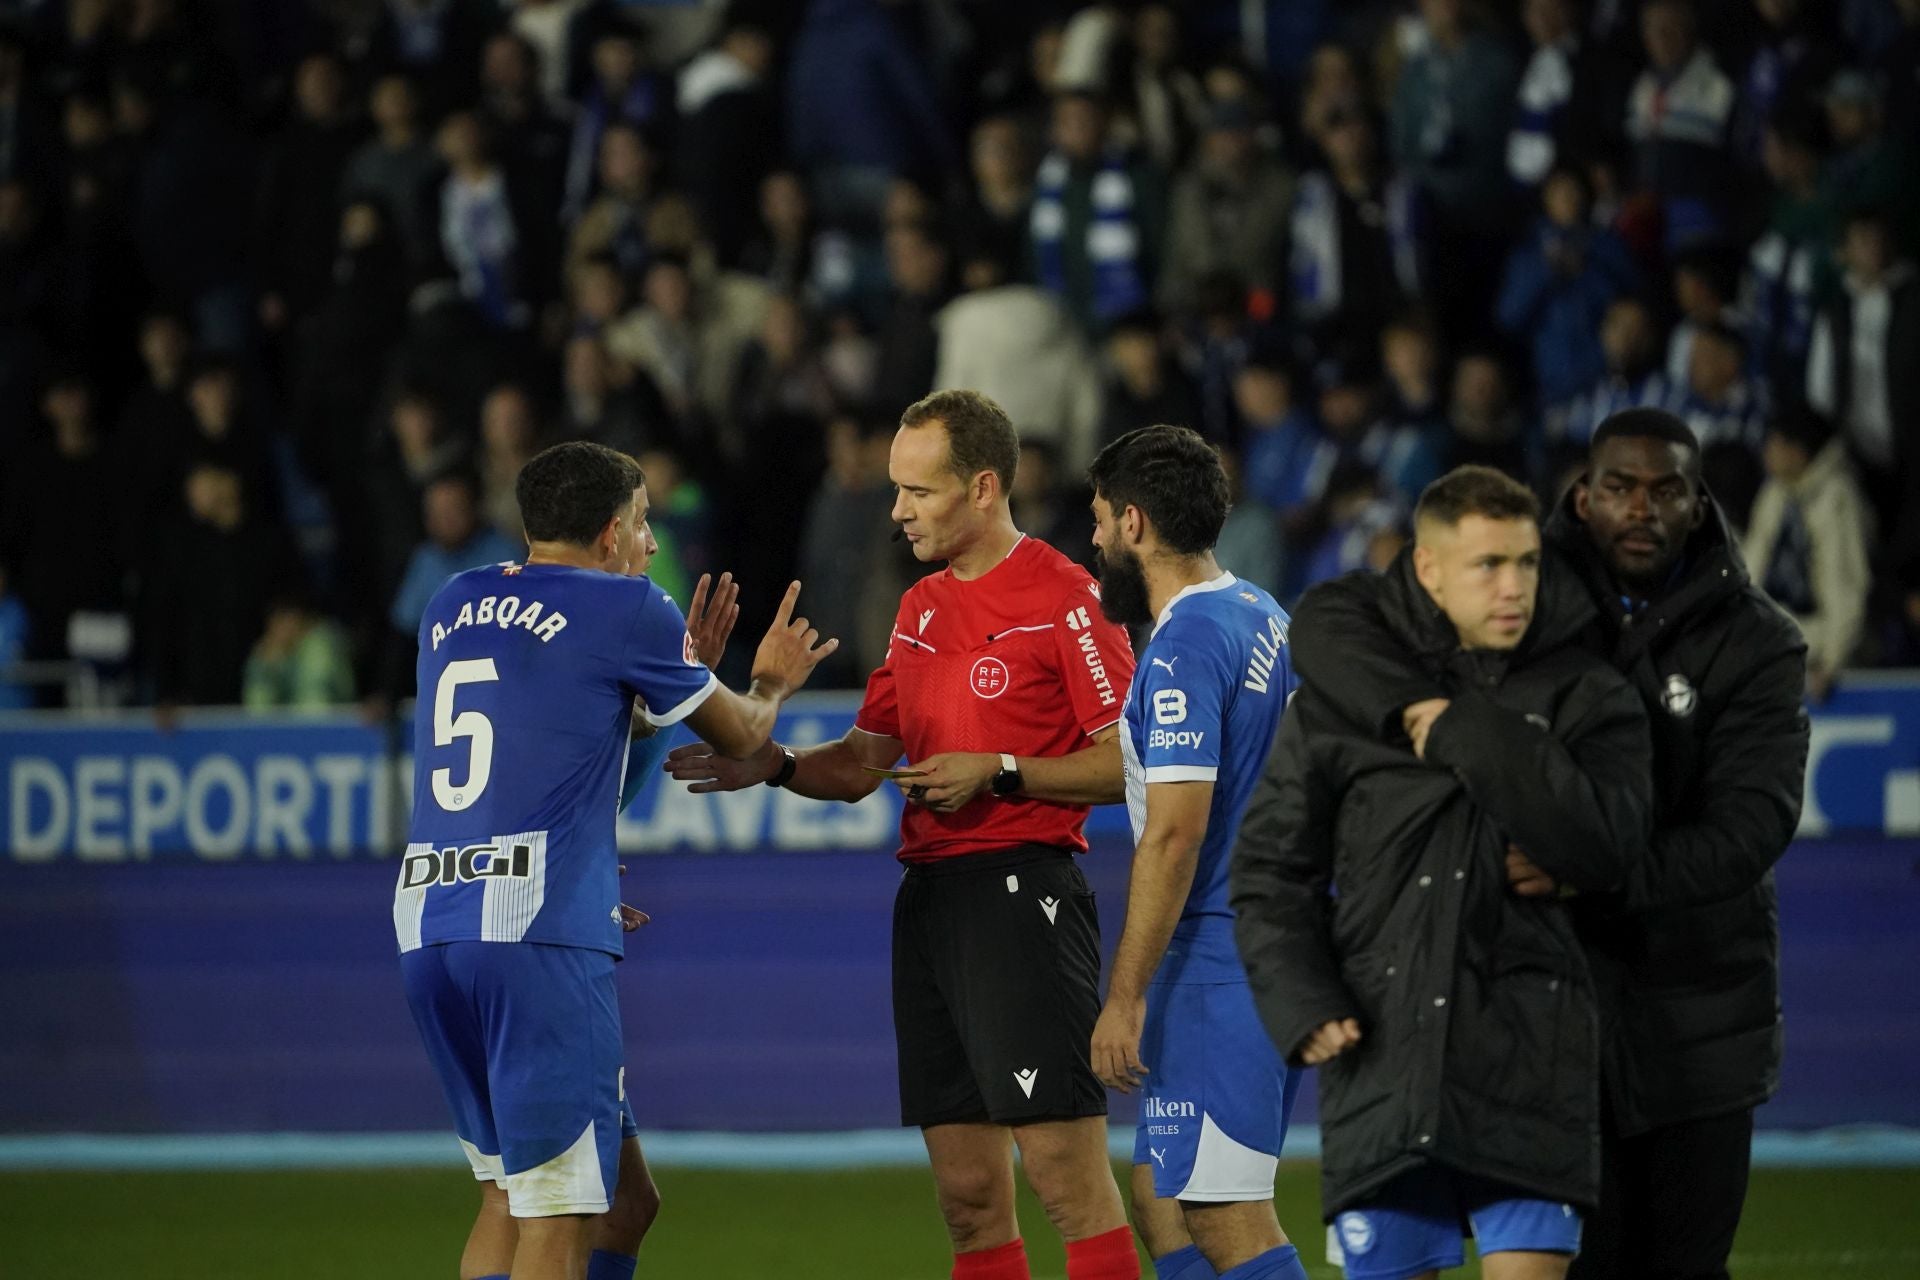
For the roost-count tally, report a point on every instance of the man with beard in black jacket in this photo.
(1686, 953)
(1453, 1012)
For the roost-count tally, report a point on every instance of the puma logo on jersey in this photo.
(1159, 1157)
(1051, 906)
(1025, 1080)
(1167, 662)
(926, 616)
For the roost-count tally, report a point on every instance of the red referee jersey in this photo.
(1018, 660)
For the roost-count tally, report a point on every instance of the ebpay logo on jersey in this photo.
(1160, 739)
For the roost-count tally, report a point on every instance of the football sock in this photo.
(1282, 1263)
(610, 1266)
(1184, 1264)
(1007, 1262)
(501, 1276)
(1107, 1256)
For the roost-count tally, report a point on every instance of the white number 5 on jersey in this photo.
(468, 724)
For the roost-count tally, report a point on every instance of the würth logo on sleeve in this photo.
(1097, 668)
(989, 677)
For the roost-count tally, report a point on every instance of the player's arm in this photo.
(830, 771)
(1163, 868)
(739, 725)
(1091, 775)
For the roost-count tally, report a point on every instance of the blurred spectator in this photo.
(724, 147)
(621, 91)
(1789, 61)
(1452, 109)
(434, 42)
(509, 437)
(548, 27)
(1554, 111)
(456, 540)
(688, 332)
(1870, 168)
(1098, 217)
(843, 534)
(1358, 237)
(478, 230)
(220, 564)
(994, 218)
(615, 223)
(59, 518)
(301, 660)
(1789, 268)
(598, 296)
(527, 133)
(1704, 289)
(1727, 410)
(1807, 542)
(415, 450)
(909, 342)
(1402, 458)
(1358, 529)
(627, 418)
(1048, 507)
(1861, 371)
(1486, 429)
(1228, 211)
(1559, 283)
(297, 224)
(1143, 386)
(680, 522)
(15, 634)
(851, 356)
(1285, 457)
(396, 168)
(1016, 344)
(860, 108)
(1335, 87)
(1678, 118)
(227, 431)
(1164, 100)
(1633, 379)
(1249, 545)
(1410, 358)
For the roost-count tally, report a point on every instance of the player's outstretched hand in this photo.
(710, 621)
(1330, 1041)
(708, 770)
(950, 782)
(1526, 879)
(1116, 1045)
(791, 649)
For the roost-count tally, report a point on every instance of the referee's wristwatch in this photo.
(1007, 782)
(788, 763)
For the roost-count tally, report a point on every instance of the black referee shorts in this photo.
(996, 987)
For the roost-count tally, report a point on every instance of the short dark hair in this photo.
(980, 436)
(568, 493)
(1175, 479)
(1801, 425)
(1475, 491)
(1648, 424)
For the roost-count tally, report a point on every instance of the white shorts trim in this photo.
(568, 1183)
(486, 1168)
(1227, 1172)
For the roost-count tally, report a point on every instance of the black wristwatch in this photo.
(1007, 781)
(788, 763)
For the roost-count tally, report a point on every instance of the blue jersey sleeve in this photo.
(1183, 696)
(660, 663)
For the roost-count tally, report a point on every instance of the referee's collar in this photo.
(1220, 583)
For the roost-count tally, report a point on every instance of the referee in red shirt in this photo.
(1002, 667)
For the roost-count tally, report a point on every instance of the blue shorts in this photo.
(525, 1039)
(1417, 1223)
(1213, 1114)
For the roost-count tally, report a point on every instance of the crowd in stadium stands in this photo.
(288, 292)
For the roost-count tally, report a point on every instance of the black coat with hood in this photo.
(1371, 884)
(1686, 953)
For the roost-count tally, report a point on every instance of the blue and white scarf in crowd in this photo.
(1319, 290)
(1112, 235)
(476, 226)
(1545, 91)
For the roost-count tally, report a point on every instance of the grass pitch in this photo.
(880, 1224)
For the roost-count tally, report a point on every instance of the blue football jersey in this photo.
(527, 679)
(1204, 705)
